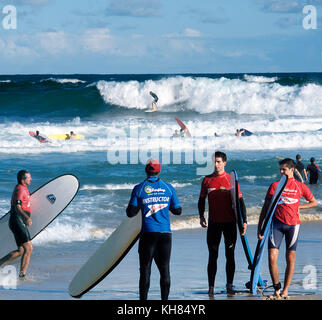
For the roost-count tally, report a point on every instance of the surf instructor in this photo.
(285, 222)
(19, 222)
(154, 198)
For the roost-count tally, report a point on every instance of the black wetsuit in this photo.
(157, 246)
(214, 232)
(300, 168)
(154, 198)
(314, 173)
(18, 227)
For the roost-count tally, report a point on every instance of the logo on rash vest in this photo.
(149, 189)
(155, 208)
(286, 200)
(51, 198)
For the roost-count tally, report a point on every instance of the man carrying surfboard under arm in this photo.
(19, 221)
(154, 198)
(221, 220)
(285, 222)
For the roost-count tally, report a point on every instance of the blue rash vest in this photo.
(154, 197)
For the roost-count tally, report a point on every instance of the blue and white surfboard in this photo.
(264, 232)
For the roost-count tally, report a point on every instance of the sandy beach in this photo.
(50, 273)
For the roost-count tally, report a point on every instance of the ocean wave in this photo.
(193, 222)
(206, 95)
(63, 232)
(63, 80)
(125, 186)
(252, 78)
(252, 178)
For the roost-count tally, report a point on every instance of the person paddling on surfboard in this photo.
(285, 222)
(154, 198)
(70, 136)
(19, 222)
(154, 102)
(243, 132)
(40, 138)
(221, 220)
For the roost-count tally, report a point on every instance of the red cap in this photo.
(153, 166)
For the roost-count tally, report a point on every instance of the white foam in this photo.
(293, 133)
(64, 80)
(125, 186)
(252, 78)
(62, 231)
(257, 95)
(253, 178)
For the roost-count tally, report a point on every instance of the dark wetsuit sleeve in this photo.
(176, 211)
(133, 206)
(201, 206)
(243, 209)
(132, 211)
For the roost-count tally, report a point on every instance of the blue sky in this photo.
(160, 36)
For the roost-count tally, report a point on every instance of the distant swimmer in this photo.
(243, 133)
(314, 170)
(176, 134)
(70, 136)
(154, 102)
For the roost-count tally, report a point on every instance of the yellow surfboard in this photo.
(64, 136)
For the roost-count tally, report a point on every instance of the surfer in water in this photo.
(299, 166)
(154, 102)
(314, 171)
(182, 133)
(285, 222)
(243, 132)
(70, 136)
(221, 220)
(176, 134)
(19, 222)
(154, 198)
(39, 137)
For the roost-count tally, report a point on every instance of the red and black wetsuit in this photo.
(17, 224)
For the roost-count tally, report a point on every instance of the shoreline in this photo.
(51, 271)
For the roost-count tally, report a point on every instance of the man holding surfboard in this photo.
(286, 222)
(221, 220)
(154, 198)
(19, 222)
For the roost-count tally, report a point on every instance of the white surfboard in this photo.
(150, 110)
(46, 204)
(107, 256)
